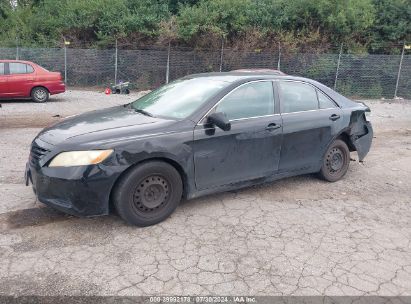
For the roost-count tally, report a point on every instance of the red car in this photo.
(25, 79)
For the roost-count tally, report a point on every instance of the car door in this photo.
(20, 80)
(310, 121)
(3, 80)
(251, 149)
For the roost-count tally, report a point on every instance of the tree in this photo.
(341, 20)
(5, 8)
(174, 5)
(296, 23)
(221, 17)
(392, 23)
(144, 16)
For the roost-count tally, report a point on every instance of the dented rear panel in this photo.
(361, 132)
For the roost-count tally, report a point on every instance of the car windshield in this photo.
(178, 99)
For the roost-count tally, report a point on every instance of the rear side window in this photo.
(1, 68)
(297, 97)
(29, 68)
(324, 101)
(249, 100)
(20, 68)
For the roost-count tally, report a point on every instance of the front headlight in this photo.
(79, 158)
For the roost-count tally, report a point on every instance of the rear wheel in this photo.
(336, 161)
(40, 94)
(148, 194)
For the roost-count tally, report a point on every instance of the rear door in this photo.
(310, 121)
(21, 79)
(3, 80)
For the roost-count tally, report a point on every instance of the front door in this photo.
(310, 121)
(251, 149)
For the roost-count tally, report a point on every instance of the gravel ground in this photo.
(297, 236)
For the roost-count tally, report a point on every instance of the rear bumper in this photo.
(361, 133)
(80, 191)
(57, 88)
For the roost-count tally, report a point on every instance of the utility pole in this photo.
(222, 54)
(399, 71)
(66, 43)
(115, 64)
(279, 57)
(168, 62)
(338, 67)
(17, 48)
(65, 64)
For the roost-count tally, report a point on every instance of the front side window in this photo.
(297, 97)
(20, 68)
(249, 100)
(180, 98)
(2, 68)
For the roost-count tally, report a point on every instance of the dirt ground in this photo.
(297, 236)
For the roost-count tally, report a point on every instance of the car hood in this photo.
(92, 123)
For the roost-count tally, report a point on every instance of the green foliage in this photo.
(222, 17)
(342, 19)
(174, 5)
(392, 22)
(361, 90)
(144, 16)
(323, 67)
(359, 24)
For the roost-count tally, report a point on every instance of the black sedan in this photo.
(198, 135)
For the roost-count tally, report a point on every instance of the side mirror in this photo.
(220, 120)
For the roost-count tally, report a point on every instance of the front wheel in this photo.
(40, 94)
(335, 162)
(148, 194)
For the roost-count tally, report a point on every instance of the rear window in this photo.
(20, 68)
(297, 97)
(1, 68)
(324, 102)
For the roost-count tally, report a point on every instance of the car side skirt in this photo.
(253, 182)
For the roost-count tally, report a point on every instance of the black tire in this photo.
(40, 94)
(148, 194)
(336, 161)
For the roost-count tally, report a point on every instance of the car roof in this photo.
(241, 77)
(261, 71)
(17, 61)
(235, 76)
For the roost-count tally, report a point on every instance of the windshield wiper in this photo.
(144, 112)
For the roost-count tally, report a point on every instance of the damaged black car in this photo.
(198, 135)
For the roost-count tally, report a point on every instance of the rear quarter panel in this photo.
(52, 81)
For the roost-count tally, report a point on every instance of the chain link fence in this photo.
(361, 76)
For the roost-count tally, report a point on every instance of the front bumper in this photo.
(80, 191)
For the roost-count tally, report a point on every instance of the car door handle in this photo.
(272, 126)
(334, 117)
